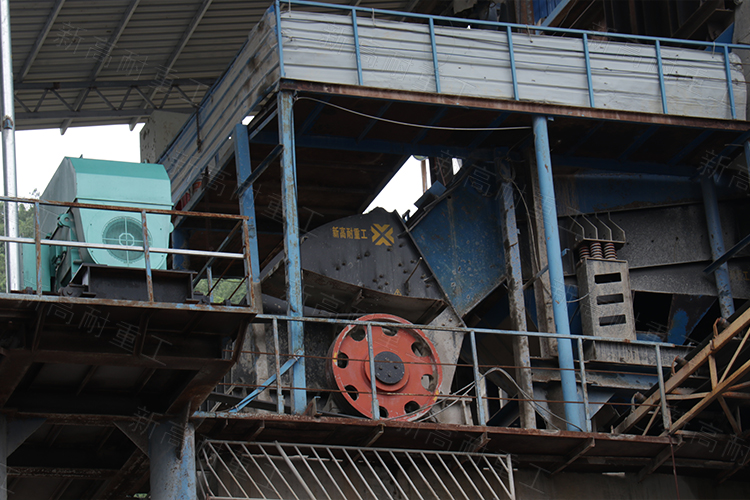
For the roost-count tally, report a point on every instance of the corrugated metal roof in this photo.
(73, 66)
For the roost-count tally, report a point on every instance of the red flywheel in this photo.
(407, 368)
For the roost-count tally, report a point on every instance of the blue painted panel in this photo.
(588, 193)
(461, 241)
(543, 8)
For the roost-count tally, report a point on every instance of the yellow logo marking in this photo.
(382, 234)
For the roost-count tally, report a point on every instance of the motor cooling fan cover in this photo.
(407, 369)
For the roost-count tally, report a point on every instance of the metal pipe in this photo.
(713, 220)
(557, 283)
(10, 188)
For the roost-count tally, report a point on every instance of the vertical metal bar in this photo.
(589, 80)
(511, 481)
(279, 39)
(584, 385)
(355, 30)
(662, 87)
(373, 387)
(38, 249)
(13, 250)
(513, 73)
(147, 258)
(172, 466)
(665, 413)
(557, 283)
(480, 402)
(248, 264)
(279, 392)
(434, 56)
(291, 248)
(247, 207)
(210, 283)
(730, 86)
(716, 239)
(514, 282)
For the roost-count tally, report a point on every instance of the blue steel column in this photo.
(172, 474)
(711, 205)
(247, 199)
(557, 284)
(291, 247)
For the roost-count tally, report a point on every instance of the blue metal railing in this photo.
(656, 42)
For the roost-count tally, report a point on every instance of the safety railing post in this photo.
(373, 386)
(279, 391)
(584, 385)
(357, 54)
(147, 258)
(38, 249)
(482, 416)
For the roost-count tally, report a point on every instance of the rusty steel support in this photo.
(686, 371)
(514, 281)
(172, 456)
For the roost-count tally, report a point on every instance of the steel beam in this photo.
(514, 280)
(292, 247)
(104, 58)
(12, 251)
(172, 456)
(40, 40)
(685, 372)
(716, 239)
(247, 197)
(557, 283)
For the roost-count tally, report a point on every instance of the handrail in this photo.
(144, 248)
(656, 42)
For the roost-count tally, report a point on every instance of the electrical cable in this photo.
(407, 124)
